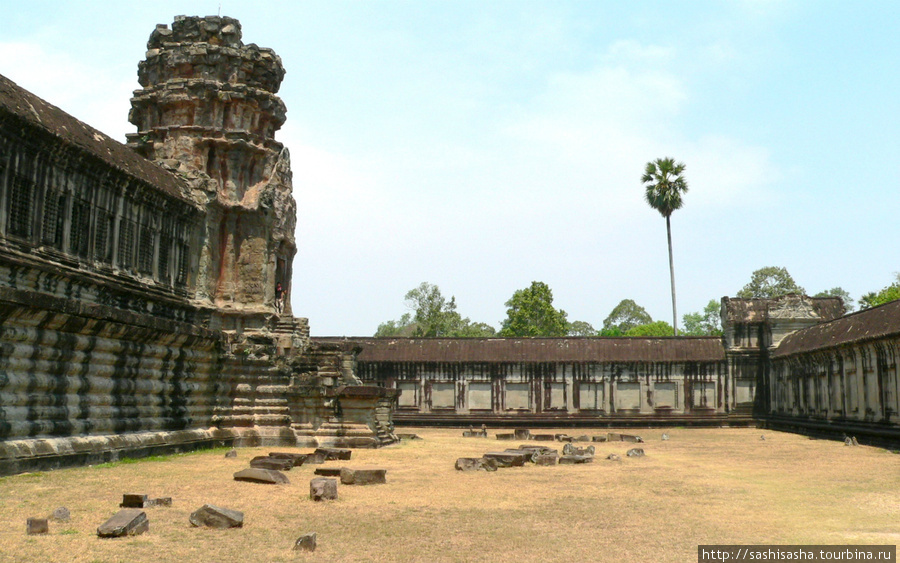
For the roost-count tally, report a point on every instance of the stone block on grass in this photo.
(126, 522)
(475, 464)
(316, 458)
(37, 526)
(334, 453)
(306, 542)
(267, 462)
(297, 459)
(363, 476)
(61, 514)
(507, 459)
(212, 516)
(546, 459)
(131, 500)
(322, 488)
(328, 471)
(575, 459)
(266, 476)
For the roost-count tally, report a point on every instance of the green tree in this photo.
(581, 328)
(432, 315)
(770, 282)
(624, 316)
(664, 186)
(703, 323)
(402, 327)
(886, 295)
(838, 292)
(530, 312)
(468, 329)
(657, 328)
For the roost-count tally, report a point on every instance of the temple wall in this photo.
(589, 392)
(81, 382)
(847, 389)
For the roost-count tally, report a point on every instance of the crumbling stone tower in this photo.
(208, 110)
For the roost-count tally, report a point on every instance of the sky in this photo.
(483, 145)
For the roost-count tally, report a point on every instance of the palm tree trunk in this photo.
(672, 274)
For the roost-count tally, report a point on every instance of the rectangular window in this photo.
(744, 391)
(102, 246)
(182, 264)
(628, 395)
(126, 243)
(480, 396)
(408, 395)
(145, 252)
(165, 245)
(664, 395)
(19, 221)
(555, 394)
(590, 397)
(517, 396)
(443, 395)
(704, 394)
(80, 227)
(54, 211)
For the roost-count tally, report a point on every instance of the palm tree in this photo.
(664, 185)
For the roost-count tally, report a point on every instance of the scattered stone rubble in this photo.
(306, 542)
(542, 455)
(212, 516)
(323, 488)
(126, 522)
(35, 526)
(131, 500)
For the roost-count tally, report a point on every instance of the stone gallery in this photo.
(145, 303)
(791, 362)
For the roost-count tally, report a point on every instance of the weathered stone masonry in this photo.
(840, 377)
(137, 298)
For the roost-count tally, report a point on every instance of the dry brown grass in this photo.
(700, 487)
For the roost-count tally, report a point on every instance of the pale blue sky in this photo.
(482, 145)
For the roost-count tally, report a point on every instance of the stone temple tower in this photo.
(208, 111)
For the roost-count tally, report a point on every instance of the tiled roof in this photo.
(869, 324)
(534, 350)
(35, 112)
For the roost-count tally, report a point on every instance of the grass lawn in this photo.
(717, 486)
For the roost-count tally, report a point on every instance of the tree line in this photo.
(530, 311)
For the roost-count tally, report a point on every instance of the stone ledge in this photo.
(45, 454)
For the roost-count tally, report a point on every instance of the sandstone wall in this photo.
(840, 377)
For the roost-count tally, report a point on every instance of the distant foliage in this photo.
(625, 316)
(581, 328)
(886, 295)
(704, 323)
(432, 315)
(657, 328)
(530, 312)
(770, 282)
(838, 292)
